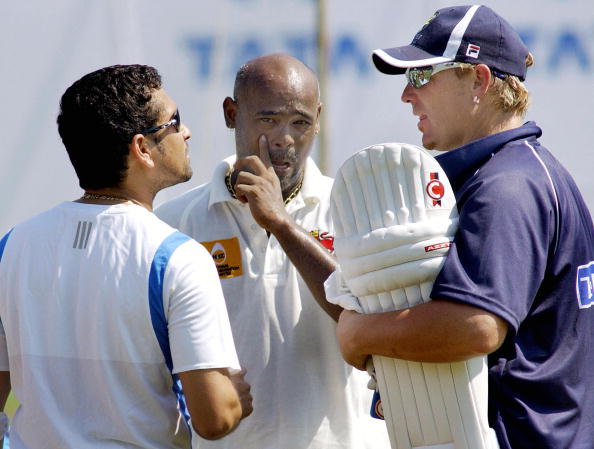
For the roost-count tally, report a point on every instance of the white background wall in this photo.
(198, 45)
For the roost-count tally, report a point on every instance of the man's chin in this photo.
(185, 177)
(428, 144)
(284, 176)
(288, 185)
(188, 175)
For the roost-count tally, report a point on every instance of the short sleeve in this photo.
(199, 330)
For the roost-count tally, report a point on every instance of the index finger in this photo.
(264, 154)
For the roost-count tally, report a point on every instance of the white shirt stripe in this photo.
(538, 158)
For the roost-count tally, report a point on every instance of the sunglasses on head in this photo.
(175, 121)
(419, 76)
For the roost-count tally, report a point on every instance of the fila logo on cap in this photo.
(472, 51)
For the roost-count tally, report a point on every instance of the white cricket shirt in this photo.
(305, 395)
(99, 306)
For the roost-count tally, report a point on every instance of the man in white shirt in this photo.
(114, 331)
(265, 219)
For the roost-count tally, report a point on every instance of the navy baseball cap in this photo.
(473, 33)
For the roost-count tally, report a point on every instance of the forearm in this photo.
(438, 331)
(312, 260)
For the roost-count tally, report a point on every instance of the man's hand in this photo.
(243, 391)
(349, 323)
(257, 184)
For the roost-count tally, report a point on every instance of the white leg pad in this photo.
(395, 217)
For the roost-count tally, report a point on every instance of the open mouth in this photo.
(281, 166)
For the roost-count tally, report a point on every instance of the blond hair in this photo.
(508, 94)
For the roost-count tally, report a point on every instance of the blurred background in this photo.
(198, 46)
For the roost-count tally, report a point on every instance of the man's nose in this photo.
(281, 138)
(186, 132)
(407, 93)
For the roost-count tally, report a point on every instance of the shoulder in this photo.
(187, 250)
(315, 184)
(38, 224)
(174, 252)
(519, 173)
(511, 198)
(173, 212)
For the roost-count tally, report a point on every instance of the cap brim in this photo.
(395, 61)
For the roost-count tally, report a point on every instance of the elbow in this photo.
(217, 427)
(213, 432)
(490, 334)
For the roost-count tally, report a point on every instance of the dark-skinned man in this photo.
(264, 217)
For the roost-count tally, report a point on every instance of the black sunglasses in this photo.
(175, 121)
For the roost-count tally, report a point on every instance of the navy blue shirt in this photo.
(525, 252)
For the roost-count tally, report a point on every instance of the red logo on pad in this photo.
(435, 189)
(437, 246)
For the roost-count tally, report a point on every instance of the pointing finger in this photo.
(264, 154)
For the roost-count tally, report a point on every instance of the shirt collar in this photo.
(461, 163)
(309, 188)
(218, 189)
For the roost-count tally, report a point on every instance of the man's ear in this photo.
(140, 152)
(482, 80)
(230, 112)
(318, 113)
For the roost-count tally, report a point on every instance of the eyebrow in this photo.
(299, 112)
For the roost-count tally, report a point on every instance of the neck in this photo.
(293, 191)
(113, 196)
(492, 122)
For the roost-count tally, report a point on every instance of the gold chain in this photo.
(294, 192)
(232, 190)
(228, 184)
(95, 196)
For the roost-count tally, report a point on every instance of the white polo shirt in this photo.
(99, 306)
(305, 395)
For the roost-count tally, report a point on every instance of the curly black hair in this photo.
(99, 115)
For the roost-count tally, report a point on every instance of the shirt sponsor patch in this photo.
(585, 285)
(324, 238)
(226, 255)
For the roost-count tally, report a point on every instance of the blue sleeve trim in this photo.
(3, 243)
(158, 317)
